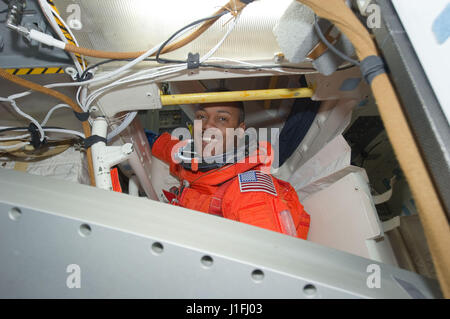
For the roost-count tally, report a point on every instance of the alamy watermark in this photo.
(74, 18)
(372, 12)
(229, 146)
(74, 278)
(374, 279)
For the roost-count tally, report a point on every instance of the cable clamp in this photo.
(246, 1)
(193, 61)
(82, 117)
(86, 77)
(36, 136)
(93, 139)
(371, 67)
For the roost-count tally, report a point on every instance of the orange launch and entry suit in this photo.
(239, 191)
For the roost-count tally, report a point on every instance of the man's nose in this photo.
(209, 123)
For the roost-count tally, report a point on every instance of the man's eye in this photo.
(223, 119)
(200, 117)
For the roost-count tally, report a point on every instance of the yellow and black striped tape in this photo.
(50, 70)
(64, 30)
(25, 71)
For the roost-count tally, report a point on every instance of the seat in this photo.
(344, 217)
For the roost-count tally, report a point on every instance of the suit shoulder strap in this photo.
(215, 205)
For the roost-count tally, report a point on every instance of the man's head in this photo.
(218, 117)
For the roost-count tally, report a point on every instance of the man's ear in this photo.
(242, 126)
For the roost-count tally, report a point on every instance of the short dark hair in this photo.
(238, 104)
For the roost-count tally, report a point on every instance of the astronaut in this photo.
(223, 173)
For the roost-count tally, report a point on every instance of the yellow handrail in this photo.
(234, 96)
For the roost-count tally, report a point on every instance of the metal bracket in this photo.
(104, 157)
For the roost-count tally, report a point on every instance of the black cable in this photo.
(84, 75)
(25, 128)
(250, 67)
(259, 67)
(34, 135)
(158, 53)
(13, 129)
(330, 46)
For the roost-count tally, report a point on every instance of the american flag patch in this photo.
(256, 181)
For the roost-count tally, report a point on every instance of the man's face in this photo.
(215, 119)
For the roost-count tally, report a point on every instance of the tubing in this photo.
(253, 95)
(58, 95)
(431, 211)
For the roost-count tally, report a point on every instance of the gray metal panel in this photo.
(116, 260)
(424, 113)
(17, 53)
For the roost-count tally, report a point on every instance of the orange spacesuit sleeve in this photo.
(300, 217)
(163, 146)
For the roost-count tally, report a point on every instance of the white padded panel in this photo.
(343, 216)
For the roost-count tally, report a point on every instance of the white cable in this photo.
(2, 99)
(137, 77)
(216, 47)
(84, 104)
(98, 92)
(8, 147)
(39, 126)
(132, 78)
(47, 117)
(122, 126)
(54, 130)
(13, 138)
(176, 68)
(81, 96)
(48, 12)
(151, 73)
(113, 74)
(75, 59)
(25, 115)
(106, 76)
(65, 131)
(202, 59)
(129, 118)
(117, 119)
(259, 66)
